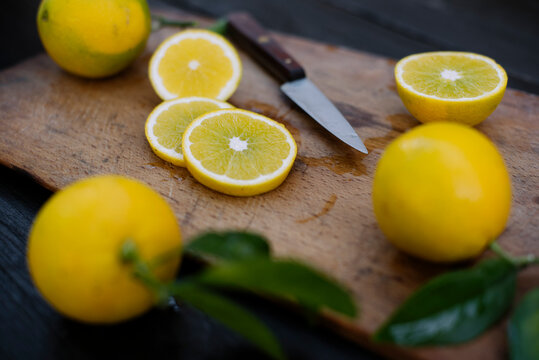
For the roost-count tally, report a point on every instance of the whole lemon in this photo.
(441, 192)
(94, 38)
(75, 244)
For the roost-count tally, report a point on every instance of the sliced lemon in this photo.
(195, 63)
(238, 152)
(450, 86)
(167, 122)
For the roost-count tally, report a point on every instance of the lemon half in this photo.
(450, 86)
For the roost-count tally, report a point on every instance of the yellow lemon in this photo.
(441, 192)
(93, 38)
(450, 86)
(75, 243)
(195, 63)
(167, 122)
(238, 152)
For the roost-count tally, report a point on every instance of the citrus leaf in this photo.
(230, 315)
(454, 307)
(229, 246)
(523, 328)
(283, 279)
(219, 26)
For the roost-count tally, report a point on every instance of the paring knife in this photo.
(245, 31)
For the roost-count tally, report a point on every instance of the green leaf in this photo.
(219, 26)
(229, 246)
(454, 307)
(285, 279)
(230, 315)
(523, 330)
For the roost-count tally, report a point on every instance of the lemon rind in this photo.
(170, 154)
(223, 179)
(225, 45)
(499, 70)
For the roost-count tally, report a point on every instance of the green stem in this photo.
(159, 22)
(143, 271)
(519, 262)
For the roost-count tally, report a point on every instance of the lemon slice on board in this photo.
(450, 86)
(167, 122)
(195, 63)
(238, 152)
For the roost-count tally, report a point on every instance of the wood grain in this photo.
(60, 128)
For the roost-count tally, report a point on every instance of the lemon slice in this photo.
(167, 122)
(195, 63)
(238, 152)
(450, 86)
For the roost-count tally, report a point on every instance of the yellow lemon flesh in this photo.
(195, 63)
(441, 192)
(450, 86)
(238, 152)
(167, 122)
(94, 38)
(75, 242)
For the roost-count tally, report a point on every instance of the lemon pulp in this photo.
(451, 77)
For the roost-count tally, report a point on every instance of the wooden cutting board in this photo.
(59, 128)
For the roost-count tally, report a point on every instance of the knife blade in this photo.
(246, 32)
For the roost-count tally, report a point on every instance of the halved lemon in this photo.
(450, 86)
(167, 122)
(195, 63)
(238, 152)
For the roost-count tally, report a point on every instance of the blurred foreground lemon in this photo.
(93, 38)
(441, 192)
(450, 86)
(75, 243)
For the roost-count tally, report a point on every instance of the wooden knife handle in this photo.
(248, 34)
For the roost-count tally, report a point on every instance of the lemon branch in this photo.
(519, 262)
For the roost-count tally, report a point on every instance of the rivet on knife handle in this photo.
(245, 31)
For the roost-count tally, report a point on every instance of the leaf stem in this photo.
(519, 262)
(143, 272)
(159, 22)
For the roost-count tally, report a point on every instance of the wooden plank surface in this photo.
(60, 128)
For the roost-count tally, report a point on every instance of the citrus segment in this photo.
(167, 122)
(450, 86)
(195, 63)
(238, 152)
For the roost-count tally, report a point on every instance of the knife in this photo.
(250, 35)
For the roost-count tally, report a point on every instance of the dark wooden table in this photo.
(30, 329)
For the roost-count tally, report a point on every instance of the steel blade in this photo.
(308, 97)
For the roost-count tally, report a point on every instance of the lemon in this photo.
(441, 192)
(238, 152)
(93, 38)
(450, 86)
(195, 63)
(167, 122)
(75, 242)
